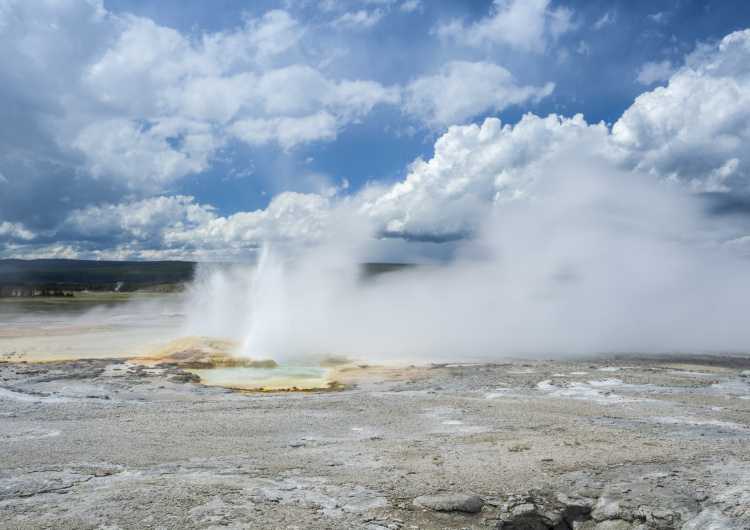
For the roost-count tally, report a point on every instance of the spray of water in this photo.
(592, 261)
(266, 318)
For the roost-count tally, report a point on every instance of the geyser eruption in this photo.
(265, 318)
(591, 261)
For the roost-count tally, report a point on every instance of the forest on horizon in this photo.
(59, 277)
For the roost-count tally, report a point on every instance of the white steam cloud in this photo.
(594, 261)
(569, 238)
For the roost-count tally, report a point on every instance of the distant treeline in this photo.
(371, 269)
(26, 278)
(28, 291)
(58, 277)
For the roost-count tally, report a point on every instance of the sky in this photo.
(191, 130)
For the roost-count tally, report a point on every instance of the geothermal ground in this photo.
(605, 443)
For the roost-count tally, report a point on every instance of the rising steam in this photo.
(590, 261)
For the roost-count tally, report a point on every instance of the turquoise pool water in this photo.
(301, 377)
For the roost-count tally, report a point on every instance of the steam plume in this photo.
(592, 261)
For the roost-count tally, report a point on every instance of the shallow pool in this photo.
(278, 377)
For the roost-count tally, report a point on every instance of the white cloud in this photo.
(359, 19)
(653, 72)
(175, 227)
(715, 180)
(143, 61)
(213, 99)
(292, 90)
(301, 106)
(411, 5)
(608, 18)
(144, 220)
(583, 48)
(357, 98)
(695, 131)
(287, 131)
(473, 168)
(300, 90)
(290, 216)
(740, 245)
(525, 25)
(274, 33)
(140, 153)
(559, 22)
(44, 252)
(16, 230)
(463, 90)
(146, 104)
(691, 129)
(140, 105)
(178, 78)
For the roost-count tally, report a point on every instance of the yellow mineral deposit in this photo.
(212, 359)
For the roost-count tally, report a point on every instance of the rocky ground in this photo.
(606, 443)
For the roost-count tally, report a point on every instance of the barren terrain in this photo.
(615, 443)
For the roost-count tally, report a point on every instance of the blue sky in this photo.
(193, 130)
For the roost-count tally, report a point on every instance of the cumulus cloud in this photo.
(411, 5)
(463, 90)
(287, 131)
(16, 230)
(353, 15)
(359, 19)
(474, 167)
(273, 34)
(525, 25)
(220, 81)
(176, 227)
(142, 105)
(142, 220)
(290, 216)
(695, 131)
(660, 18)
(606, 19)
(146, 155)
(128, 230)
(44, 252)
(692, 129)
(652, 72)
(131, 107)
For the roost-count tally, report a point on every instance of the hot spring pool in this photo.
(278, 377)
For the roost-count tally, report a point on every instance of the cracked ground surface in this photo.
(620, 442)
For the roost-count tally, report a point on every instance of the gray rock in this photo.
(543, 509)
(710, 518)
(40, 482)
(448, 502)
(574, 505)
(618, 524)
(582, 522)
